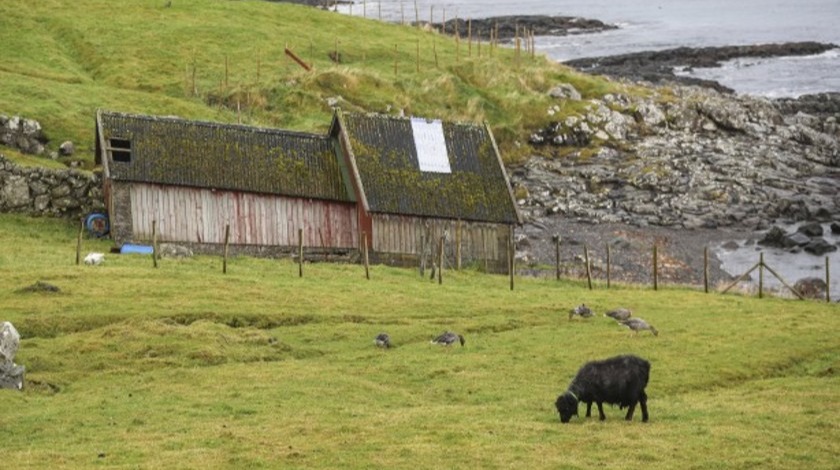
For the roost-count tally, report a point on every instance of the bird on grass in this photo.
(619, 314)
(581, 310)
(448, 339)
(637, 325)
(382, 340)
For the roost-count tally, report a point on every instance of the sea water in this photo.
(665, 24)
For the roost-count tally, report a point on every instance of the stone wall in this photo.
(49, 192)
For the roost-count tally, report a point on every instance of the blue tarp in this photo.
(129, 248)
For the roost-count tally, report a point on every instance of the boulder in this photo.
(66, 148)
(819, 247)
(796, 239)
(11, 375)
(9, 342)
(812, 229)
(565, 91)
(775, 237)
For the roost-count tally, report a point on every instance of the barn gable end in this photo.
(418, 181)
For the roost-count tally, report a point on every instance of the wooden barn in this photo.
(417, 180)
(196, 178)
(400, 184)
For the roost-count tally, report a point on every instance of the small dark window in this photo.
(121, 150)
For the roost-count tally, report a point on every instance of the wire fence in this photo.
(442, 256)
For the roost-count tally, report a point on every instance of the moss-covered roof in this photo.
(169, 150)
(386, 156)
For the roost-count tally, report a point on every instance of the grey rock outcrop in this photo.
(703, 159)
(11, 375)
(23, 134)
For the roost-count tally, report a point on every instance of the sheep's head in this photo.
(567, 406)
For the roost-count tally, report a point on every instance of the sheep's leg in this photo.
(601, 411)
(588, 409)
(643, 404)
(630, 410)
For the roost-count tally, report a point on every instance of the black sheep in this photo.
(619, 380)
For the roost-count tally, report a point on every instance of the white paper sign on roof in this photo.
(431, 145)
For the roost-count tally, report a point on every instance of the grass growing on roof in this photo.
(182, 366)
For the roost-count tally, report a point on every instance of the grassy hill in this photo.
(224, 61)
(185, 367)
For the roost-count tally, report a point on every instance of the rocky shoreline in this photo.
(507, 28)
(660, 66)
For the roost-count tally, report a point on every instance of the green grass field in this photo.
(220, 60)
(185, 367)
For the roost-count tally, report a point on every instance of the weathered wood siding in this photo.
(411, 235)
(194, 215)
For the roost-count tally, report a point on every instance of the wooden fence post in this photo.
(79, 241)
(827, 282)
(706, 269)
(761, 275)
(154, 244)
(655, 269)
(609, 264)
(511, 257)
(588, 269)
(458, 245)
(557, 257)
(469, 37)
(422, 253)
(367, 259)
(227, 242)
